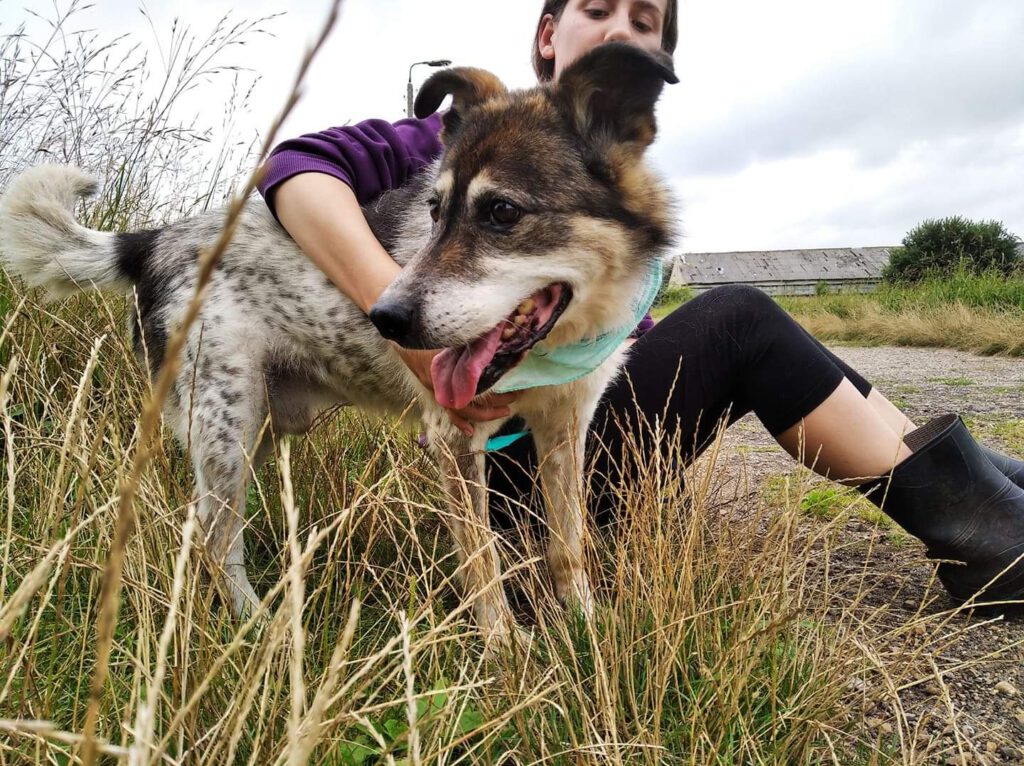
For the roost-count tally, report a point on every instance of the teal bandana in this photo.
(556, 366)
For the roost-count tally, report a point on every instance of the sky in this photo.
(796, 124)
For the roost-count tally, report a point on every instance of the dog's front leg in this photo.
(461, 461)
(560, 447)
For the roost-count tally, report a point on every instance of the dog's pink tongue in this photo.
(455, 372)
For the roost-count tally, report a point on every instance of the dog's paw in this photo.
(583, 598)
(577, 594)
(516, 642)
(245, 604)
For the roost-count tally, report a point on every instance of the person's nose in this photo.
(619, 28)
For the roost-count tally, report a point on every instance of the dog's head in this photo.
(546, 220)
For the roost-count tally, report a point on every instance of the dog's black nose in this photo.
(393, 320)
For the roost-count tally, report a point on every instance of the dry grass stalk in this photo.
(103, 104)
(8, 433)
(142, 751)
(296, 591)
(46, 730)
(724, 633)
(151, 413)
(980, 331)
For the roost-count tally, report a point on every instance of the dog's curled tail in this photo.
(41, 242)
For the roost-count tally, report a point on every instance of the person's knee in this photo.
(743, 305)
(746, 296)
(728, 309)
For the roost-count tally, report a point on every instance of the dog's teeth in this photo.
(526, 306)
(508, 332)
(520, 319)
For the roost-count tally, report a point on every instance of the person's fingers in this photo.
(499, 400)
(465, 418)
(481, 413)
(480, 410)
(461, 422)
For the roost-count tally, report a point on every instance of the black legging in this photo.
(728, 352)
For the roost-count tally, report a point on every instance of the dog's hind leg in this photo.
(229, 407)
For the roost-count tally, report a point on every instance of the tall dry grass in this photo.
(113, 106)
(983, 314)
(721, 637)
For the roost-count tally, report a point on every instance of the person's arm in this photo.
(322, 215)
(319, 208)
(316, 183)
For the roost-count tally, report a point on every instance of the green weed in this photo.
(954, 382)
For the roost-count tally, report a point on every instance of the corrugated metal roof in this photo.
(775, 268)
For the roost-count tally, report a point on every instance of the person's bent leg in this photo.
(733, 350)
(1010, 467)
(728, 352)
(963, 500)
(845, 438)
(891, 414)
(736, 351)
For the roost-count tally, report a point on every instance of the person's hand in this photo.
(480, 410)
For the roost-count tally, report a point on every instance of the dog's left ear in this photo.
(610, 93)
(468, 88)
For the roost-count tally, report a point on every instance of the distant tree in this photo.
(940, 247)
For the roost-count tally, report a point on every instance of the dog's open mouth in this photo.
(459, 374)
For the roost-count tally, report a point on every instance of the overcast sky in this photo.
(798, 123)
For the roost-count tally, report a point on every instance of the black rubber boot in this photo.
(950, 496)
(1009, 467)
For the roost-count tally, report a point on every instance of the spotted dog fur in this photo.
(276, 338)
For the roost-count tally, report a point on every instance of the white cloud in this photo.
(798, 123)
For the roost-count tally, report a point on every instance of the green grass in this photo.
(707, 647)
(979, 313)
(830, 502)
(1011, 432)
(6, 296)
(905, 388)
(953, 382)
(1002, 390)
(716, 641)
(900, 402)
(669, 299)
(1008, 432)
(986, 291)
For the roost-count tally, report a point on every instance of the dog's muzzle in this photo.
(398, 321)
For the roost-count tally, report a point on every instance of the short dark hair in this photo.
(545, 68)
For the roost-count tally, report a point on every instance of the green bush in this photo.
(941, 247)
(986, 290)
(673, 295)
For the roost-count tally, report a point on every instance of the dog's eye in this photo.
(503, 213)
(435, 209)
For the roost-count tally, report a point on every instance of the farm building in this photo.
(784, 272)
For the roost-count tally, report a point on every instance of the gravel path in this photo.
(981, 720)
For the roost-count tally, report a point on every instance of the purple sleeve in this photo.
(372, 156)
(645, 324)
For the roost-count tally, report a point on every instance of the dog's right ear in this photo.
(609, 94)
(468, 88)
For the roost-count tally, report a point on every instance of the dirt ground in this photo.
(973, 713)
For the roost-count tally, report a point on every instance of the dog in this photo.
(539, 221)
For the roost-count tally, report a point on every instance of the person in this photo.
(727, 352)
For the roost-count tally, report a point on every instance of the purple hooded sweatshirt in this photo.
(372, 157)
